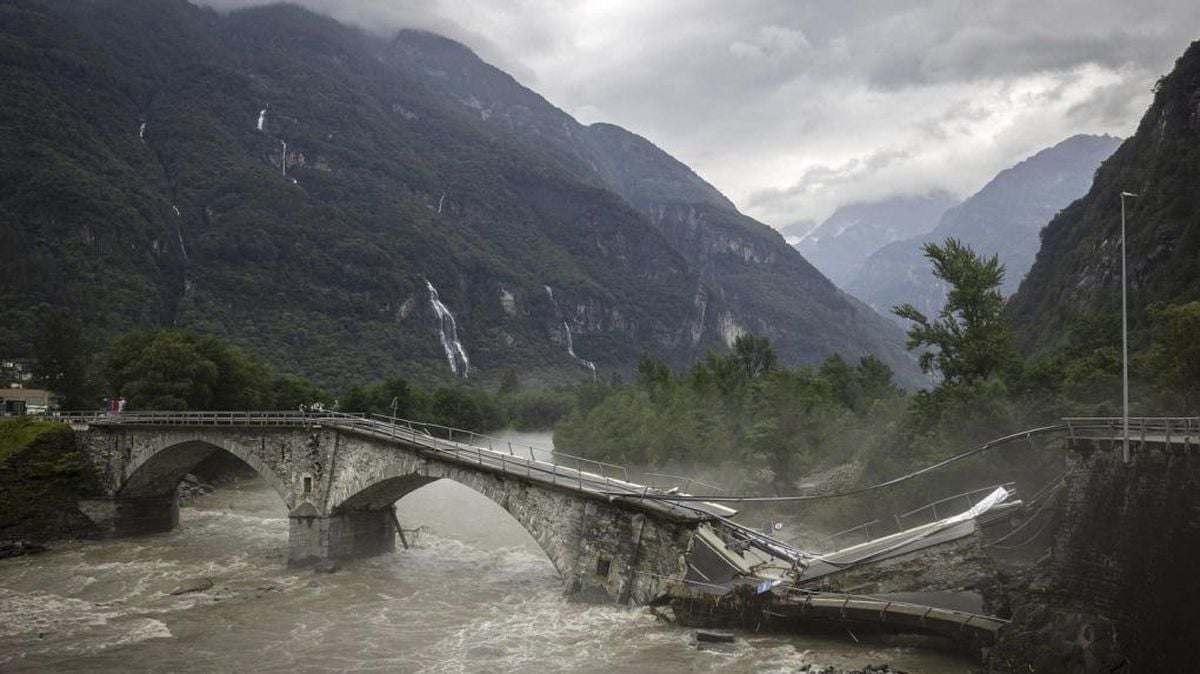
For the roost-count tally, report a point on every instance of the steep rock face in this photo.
(292, 185)
(750, 279)
(1003, 218)
(844, 240)
(1078, 268)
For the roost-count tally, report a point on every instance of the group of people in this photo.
(318, 407)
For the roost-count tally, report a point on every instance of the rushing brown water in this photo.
(475, 594)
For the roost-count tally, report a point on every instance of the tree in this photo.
(1174, 355)
(162, 370)
(971, 339)
(754, 354)
(179, 370)
(62, 361)
(509, 382)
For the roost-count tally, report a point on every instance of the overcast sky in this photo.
(794, 107)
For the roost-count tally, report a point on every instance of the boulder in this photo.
(194, 585)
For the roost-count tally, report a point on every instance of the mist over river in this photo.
(475, 594)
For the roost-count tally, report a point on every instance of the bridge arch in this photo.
(547, 516)
(156, 472)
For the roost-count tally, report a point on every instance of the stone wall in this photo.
(1122, 588)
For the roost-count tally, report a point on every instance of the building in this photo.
(16, 401)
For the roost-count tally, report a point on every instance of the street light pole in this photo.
(1124, 338)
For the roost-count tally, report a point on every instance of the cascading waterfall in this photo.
(441, 201)
(142, 131)
(179, 234)
(283, 158)
(262, 117)
(571, 350)
(570, 339)
(448, 331)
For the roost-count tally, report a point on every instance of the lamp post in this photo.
(1124, 338)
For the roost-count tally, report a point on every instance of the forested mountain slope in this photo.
(1078, 268)
(323, 197)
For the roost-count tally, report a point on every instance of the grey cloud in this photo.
(792, 109)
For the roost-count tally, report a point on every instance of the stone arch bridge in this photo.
(339, 476)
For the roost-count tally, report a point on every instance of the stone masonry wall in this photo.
(1123, 588)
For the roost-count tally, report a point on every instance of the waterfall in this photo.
(182, 247)
(448, 331)
(262, 117)
(570, 339)
(142, 131)
(571, 350)
(283, 158)
(440, 201)
(179, 234)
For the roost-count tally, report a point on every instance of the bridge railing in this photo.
(682, 483)
(483, 449)
(502, 446)
(955, 501)
(1140, 428)
(205, 418)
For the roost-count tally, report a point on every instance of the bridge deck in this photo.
(902, 616)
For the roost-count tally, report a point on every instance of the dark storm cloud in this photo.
(790, 107)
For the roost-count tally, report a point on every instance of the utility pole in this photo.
(1124, 337)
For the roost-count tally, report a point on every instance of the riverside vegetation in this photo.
(743, 420)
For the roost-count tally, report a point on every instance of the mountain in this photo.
(839, 245)
(794, 232)
(1003, 218)
(1078, 268)
(347, 206)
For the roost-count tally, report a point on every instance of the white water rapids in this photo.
(448, 333)
(475, 594)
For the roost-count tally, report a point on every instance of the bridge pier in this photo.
(132, 516)
(360, 533)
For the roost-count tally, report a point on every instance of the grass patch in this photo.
(18, 432)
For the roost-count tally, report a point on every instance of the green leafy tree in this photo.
(754, 354)
(1174, 355)
(971, 339)
(62, 361)
(178, 370)
(509, 382)
(162, 370)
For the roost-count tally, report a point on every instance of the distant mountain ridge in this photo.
(1003, 218)
(842, 242)
(313, 194)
